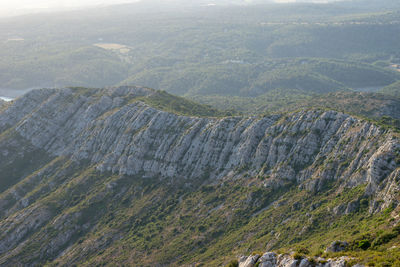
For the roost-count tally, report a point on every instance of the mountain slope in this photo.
(104, 177)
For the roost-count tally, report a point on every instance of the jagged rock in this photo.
(136, 138)
(341, 262)
(248, 261)
(337, 246)
(268, 256)
(286, 261)
(268, 259)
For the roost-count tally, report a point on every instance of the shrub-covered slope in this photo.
(393, 89)
(381, 107)
(99, 177)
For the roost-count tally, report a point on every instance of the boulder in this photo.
(266, 264)
(337, 246)
(305, 263)
(286, 261)
(248, 261)
(268, 260)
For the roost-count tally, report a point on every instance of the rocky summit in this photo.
(113, 175)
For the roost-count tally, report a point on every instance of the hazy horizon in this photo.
(21, 7)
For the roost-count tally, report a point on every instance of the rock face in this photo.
(50, 138)
(126, 137)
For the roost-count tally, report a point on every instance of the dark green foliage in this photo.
(303, 250)
(364, 203)
(233, 263)
(298, 256)
(385, 237)
(364, 244)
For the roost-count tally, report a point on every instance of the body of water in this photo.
(5, 98)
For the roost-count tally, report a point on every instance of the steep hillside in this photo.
(94, 177)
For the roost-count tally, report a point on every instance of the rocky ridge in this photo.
(132, 138)
(118, 135)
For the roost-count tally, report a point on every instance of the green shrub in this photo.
(233, 263)
(364, 244)
(312, 261)
(364, 203)
(298, 256)
(384, 238)
(318, 253)
(396, 229)
(303, 250)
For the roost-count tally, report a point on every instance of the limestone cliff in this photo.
(49, 136)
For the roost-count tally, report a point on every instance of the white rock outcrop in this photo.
(271, 259)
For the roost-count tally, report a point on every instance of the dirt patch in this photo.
(123, 49)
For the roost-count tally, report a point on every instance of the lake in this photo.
(6, 98)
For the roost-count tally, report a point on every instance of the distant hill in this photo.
(245, 79)
(238, 50)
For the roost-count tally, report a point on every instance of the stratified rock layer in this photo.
(114, 132)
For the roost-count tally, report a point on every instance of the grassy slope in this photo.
(179, 105)
(381, 108)
(163, 101)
